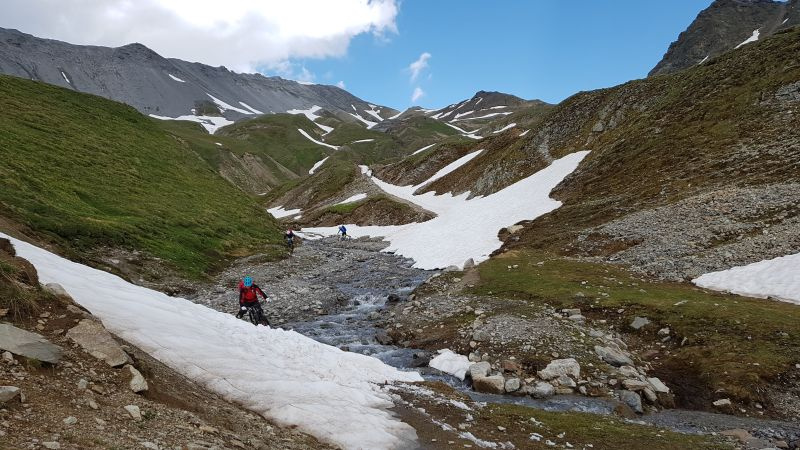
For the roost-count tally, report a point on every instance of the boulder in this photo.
(137, 383)
(649, 395)
(8, 393)
(468, 264)
(632, 399)
(635, 385)
(98, 342)
(613, 356)
(57, 290)
(134, 412)
(565, 381)
(559, 367)
(722, 403)
(639, 322)
(542, 390)
(27, 344)
(479, 370)
(494, 384)
(512, 385)
(628, 372)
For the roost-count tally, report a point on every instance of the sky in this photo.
(397, 53)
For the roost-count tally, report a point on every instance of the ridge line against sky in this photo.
(397, 53)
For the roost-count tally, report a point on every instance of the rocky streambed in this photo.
(350, 295)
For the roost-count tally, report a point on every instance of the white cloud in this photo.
(419, 65)
(341, 85)
(239, 34)
(418, 93)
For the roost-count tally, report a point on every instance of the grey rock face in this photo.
(98, 342)
(27, 344)
(135, 75)
(724, 25)
(613, 356)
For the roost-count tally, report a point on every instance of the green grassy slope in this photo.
(86, 172)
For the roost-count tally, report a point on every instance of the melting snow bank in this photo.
(332, 394)
(303, 132)
(278, 212)
(452, 363)
(777, 278)
(352, 199)
(210, 123)
(464, 228)
(317, 165)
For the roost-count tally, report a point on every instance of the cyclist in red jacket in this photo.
(248, 296)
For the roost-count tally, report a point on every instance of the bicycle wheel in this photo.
(252, 314)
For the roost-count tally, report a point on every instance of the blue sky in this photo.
(545, 49)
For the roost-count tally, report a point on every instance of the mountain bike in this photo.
(290, 245)
(254, 313)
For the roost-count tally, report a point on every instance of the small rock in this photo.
(8, 393)
(137, 383)
(8, 357)
(83, 384)
(512, 385)
(134, 412)
(566, 381)
(738, 433)
(639, 322)
(70, 420)
(721, 403)
(98, 342)
(542, 390)
(149, 445)
(494, 384)
(100, 421)
(632, 399)
(93, 404)
(612, 356)
(649, 395)
(558, 367)
(479, 370)
(53, 445)
(468, 264)
(663, 332)
(635, 385)
(658, 385)
(628, 372)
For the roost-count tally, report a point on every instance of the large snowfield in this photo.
(293, 380)
(778, 278)
(464, 228)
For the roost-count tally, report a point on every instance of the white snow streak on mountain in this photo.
(778, 278)
(423, 149)
(368, 123)
(352, 199)
(309, 113)
(210, 123)
(317, 165)
(255, 111)
(278, 212)
(175, 78)
(331, 394)
(752, 38)
(224, 106)
(507, 127)
(464, 228)
(316, 141)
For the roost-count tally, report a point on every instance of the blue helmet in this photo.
(248, 281)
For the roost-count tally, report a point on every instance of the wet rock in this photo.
(613, 356)
(479, 370)
(383, 338)
(631, 399)
(639, 322)
(512, 385)
(494, 384)
(98, 342)
(392, 298)
(27, 344)
(558, 367)
(542, 390)
(8, 393)
(137, 383)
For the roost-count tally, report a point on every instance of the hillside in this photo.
(724, 26)
(92, 176)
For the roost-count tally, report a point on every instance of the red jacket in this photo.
(249, 294)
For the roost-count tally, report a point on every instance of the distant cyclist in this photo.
(248, 297)
(343, 232)
(290, 239)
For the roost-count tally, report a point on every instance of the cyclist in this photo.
(343, 232)
(248, 296)
(290, 239)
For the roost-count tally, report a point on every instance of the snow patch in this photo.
(255, 111)
(423, 149)
(449, 362)
(507, 127)
(498, 107)
(704, 60)
(278, 212)
(225, 107)
(752, 38)
(470, 225)
(777, 278)
(210, 123)
(282, 375)
(363, 140)
(396, 115)
(303, 132)
(317, 165)
(175, 78)
(524, 133)
(65, 77)
(353, 198)
(309, 113)
(369, 124)
(486, 116)
(374, 114)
